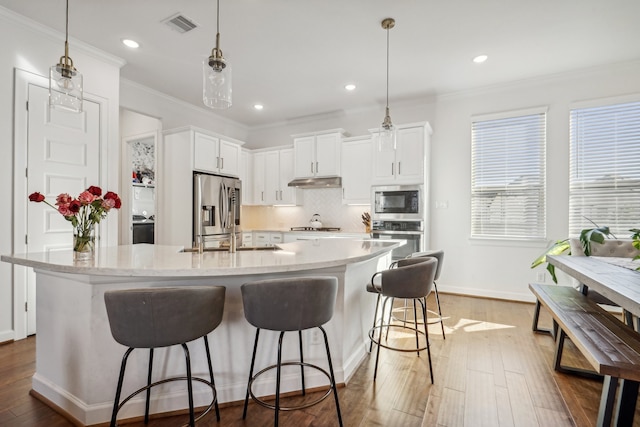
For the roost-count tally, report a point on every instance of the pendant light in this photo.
(387, 134)
(65, 82)
(216, 74)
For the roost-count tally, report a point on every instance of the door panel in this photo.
(63, 157)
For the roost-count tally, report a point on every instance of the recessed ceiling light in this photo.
(350, 87)
(131, 43)
(258, 106)
(480, 59)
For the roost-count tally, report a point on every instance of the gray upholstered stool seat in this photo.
(286, 305)
(162, 317)
(411, 279)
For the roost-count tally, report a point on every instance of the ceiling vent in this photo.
(180, 23)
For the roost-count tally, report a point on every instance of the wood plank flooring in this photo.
(492, 370)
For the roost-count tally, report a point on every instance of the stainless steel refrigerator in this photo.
(216, 209)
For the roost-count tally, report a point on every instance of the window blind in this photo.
(605, 168)
(508, 177)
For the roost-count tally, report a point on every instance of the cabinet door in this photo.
(357, 163)
(259, 172)
(305, 162)
(272, 177)
(246, 177)
(410, 155)
(205, 153)
(229, 158)
(261, 239)
(328, 154)
(275, 238)
(287, 194)
(384, 163)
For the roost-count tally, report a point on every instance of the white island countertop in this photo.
(170, 261)
(77, 359)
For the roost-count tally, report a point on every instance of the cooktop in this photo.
(315, 229)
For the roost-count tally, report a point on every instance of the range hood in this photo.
(324, 182)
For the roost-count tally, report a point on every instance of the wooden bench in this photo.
(611, 347)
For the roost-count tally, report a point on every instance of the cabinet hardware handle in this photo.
(392, 166)
(316, 167)
(399, 173)
(280, 195)
(222, 163)
(262, 196)
(311, 167)
(276, 194)
(217, 162)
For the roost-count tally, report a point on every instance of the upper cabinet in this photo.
(317, 154)
(357, 164)
(407, 163)
(246, 176)
(272, 171)
(215, 155)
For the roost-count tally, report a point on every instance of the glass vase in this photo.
(84, 244)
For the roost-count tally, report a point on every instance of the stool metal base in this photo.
(290, 408)
(167, 380)
(373, 338)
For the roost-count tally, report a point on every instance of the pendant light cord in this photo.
(66, 30)
(387, 67)
(218, 17)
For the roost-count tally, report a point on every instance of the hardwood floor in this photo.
(492, 370)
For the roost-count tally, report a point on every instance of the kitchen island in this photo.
(77, 360)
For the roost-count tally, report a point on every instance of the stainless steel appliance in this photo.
(411, 231)
(216, 210)
(398, 202)
(142, 228)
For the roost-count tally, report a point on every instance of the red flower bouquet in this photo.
(83, 213)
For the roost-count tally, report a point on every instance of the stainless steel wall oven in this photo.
(411, 231)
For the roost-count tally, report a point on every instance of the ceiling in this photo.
(295, 56)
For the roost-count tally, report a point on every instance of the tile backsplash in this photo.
(326, 202)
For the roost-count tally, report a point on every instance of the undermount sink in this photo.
(240, 249)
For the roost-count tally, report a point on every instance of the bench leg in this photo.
(626, 408)
(557, 360)
(536, 317)
(607, 398)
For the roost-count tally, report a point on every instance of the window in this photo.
(508, 175)
(605, 168)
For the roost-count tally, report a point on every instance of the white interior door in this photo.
(63, 157)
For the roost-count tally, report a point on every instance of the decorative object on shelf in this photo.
(216, 74)
(387, 134)
(65, 82)
(366, 220)
(84, 213)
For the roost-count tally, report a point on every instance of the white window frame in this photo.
(503, 205)
(604, 180)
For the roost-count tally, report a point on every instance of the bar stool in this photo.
(162, 317)
(411, 279)
(290, 304)
(439, 255)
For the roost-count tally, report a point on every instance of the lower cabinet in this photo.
(266, 238)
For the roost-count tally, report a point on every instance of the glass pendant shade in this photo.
(65, 88)
(216, 86)
(387, 138)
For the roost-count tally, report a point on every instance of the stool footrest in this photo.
(374, 339)
(166, 380)
(290, 408)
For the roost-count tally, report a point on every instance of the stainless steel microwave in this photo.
(391, 202)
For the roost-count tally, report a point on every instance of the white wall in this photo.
(35, 49)
(175, 113)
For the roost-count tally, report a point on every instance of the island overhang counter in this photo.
(77, 360)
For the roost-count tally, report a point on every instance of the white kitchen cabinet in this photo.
(357, 164)
(267, 238)
(408, 162)
(247, 239)
(317, 154)
(246, 176)
(273, 169)
(215, 155)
